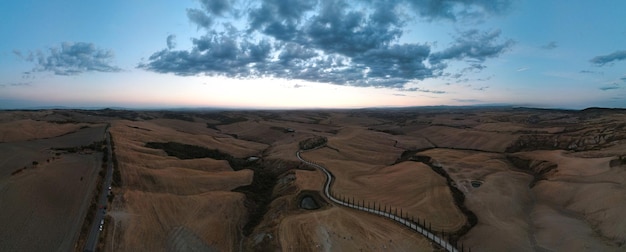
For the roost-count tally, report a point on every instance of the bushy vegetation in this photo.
(258, 193)
(312, 143)
(95, 146)
(116, 179)
(178, 116)
(186, 151)
(258, 196)
(222, 119)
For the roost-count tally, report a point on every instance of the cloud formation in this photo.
(71, 59)
(459, 9)
(550, 46)
(474, 45)
(16, 84)
(590, 72)
(609, 58)
(171, 41)
(611, 87)
(331, 41)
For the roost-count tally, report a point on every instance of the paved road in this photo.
(408, 223)
(94, 232)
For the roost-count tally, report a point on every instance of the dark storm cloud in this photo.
(71, 59)
(550, 46)
(332, 41)
(609, 58)
(171, 41)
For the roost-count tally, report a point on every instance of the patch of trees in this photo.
(187, 151)
(457, 195)
(95, 146)
(284, 130)
(123, 114)
(258, 196)
(18, 171)
(67, 121)
(312, 143)
(223, 120)
(258, 193)
(139, 128)
(388, 131)
(539, 170)
(116, 179)
(178, 116)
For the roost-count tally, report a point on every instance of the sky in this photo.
(312, 53)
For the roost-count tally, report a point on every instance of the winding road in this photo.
(406, 222)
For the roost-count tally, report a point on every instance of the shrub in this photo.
(312, 143)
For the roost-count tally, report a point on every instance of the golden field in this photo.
(497, 179)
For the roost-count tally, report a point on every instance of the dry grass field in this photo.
(498, 179)
(45, 192)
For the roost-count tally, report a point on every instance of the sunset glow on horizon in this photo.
(312, 54)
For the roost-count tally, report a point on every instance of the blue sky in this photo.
(312, 53)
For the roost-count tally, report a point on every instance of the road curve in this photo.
(406, 222)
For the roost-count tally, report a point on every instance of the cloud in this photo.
(474, 45)
(398, 94)
(550, 46)
(609, 58)
(460, 9)
(610, 87)
(623, 79)
(71, 59)
(468, 100)
(417, 89)
(199, 18)
(216, 7)
(483, 88)
(298, 86)
(280, 19)
(171, 41)
(522, 69)
(16, 84)
(591, 72)
(330, 41)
